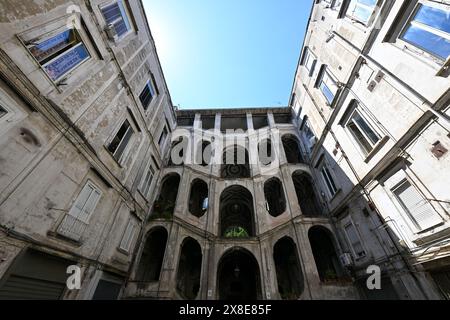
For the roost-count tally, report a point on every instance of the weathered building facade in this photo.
(97, 170)
(83, 106)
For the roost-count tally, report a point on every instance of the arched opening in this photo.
(238, 276)
(189, 269)
(265, 152)
(165, 205)
(235, 163)
(289, 272)
(291, 149)
(204, 154)
(275, 199)
(178, 151)
(198, 200)
(324, 252)
(305, 194)
(150, 265)
(236, 213)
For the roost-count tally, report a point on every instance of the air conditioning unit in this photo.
(111, 32)
(346, 259)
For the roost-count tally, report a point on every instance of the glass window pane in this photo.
(45, 50)
(366, 146)
(66, 62)
(119, 136)
(374, 138)
(327, 92)
(330, 178)
(124, 15)
(112, 13)
(434, 17)
(362, 10)
(123, 144)
(370, 3)
(427, 41)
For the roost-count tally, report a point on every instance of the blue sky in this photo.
(228, 53)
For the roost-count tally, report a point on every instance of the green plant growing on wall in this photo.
(236, 232)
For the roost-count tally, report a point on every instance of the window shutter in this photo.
(354, 240)
(80, 202)
(128, 236)
(90, 206)
(419, 208)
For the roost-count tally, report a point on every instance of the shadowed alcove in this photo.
(165, 205)
(152, 257)
(291, 149)
(189, 269)
(289, 272)
(235, 163)
(275, 199)
(324, 251)
(198, 199)
(236, 213)
(238, 276)
(266, 153)
(305, 194)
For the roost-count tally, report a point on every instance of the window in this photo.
(75, 222)
(328, 86)
(362, 132)
(416, 206)
(361, 10)
(163, 137)
(116, 18)
(337, 4)
(3, 112)
(128, 236)
(120, 142)
(59, 52)
(354, 240)
(309, 61)
(429, 29)
(328, 179)
(148, 93)
(147, 181)
(309, 135)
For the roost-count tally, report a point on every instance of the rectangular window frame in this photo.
(128, 236)
(74, 223)
(145, 185)
(410, 217)
(152, 88)
(372, 145)
(124, 155)
(417, 49)
(309, 61)
(328, 178)
(326, 80)
(163, 138)
(308, 135)
(44, 33)
(357, 256)
(125, 16)
(95, 188)
(337, 4)
(357, 19)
